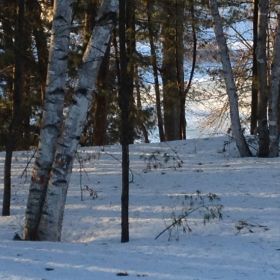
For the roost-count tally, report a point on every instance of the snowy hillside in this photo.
(244, 245)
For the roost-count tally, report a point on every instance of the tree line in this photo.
(98, 72)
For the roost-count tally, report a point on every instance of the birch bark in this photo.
(274, 96)
(52, 115)
(52, 215)
(229, 81)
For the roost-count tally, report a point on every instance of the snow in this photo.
(249, 189)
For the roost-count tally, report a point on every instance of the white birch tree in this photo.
(229, 81)
(53, 209)
(52, 114)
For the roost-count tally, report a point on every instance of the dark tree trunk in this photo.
(155, 70)
(130, 54)
(41, 44)
(183, 123)
(26, 111)
(274, 96)
(90, 15)
(7, 180)
(254, 101)
(15, 126)
(101, 102)
(124, 99)
(34, 12)
(179, 29)
(8, 46)
(100, 118)
(262, 79)
(172, 67)
(140, 120)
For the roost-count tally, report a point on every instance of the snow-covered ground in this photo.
(244, 245)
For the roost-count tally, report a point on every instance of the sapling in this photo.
(204, 204)
(158, 160)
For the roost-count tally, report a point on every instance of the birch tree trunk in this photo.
(52, 215)
(229, 81)
(52, 115)
(262, 78)
(274, 96)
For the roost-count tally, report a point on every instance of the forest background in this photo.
(135, 67)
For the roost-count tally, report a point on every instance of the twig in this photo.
(179, 220)
(117, 159)
(80, 171)
(27, 164)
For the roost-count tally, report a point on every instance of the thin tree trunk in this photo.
(52, 214)
(229, 81)
(100, 118)
(34, 11)
(141, 122)
(26, 109)
(52, 116)
(124, 106)
(194, 55)
(262, 79)
(15, 126)
(130, 54)
(7, 179)
(8, 46)
(254, 101)
(90, 15)
(95, 129)
(155, 71)
(274, 97)
(180, 8)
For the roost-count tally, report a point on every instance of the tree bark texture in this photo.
(130, 44)
(52, 115)
(124, 103)
(179, 29)
(262, 78)
(229, 81)
(140, 118)
(34, 12)
(274, 96)
(53, 209)
(101, 102)
(150, 4)
(254, 101)
(172, 67)
(18, 92)
(188, 87)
